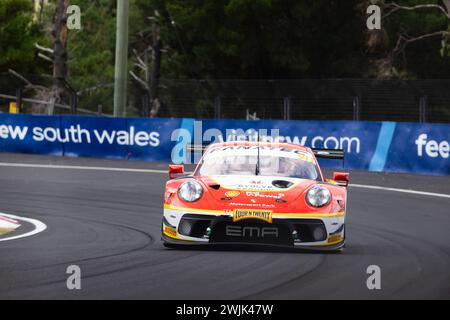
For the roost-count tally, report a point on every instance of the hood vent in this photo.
(282, 184)
(215, 186)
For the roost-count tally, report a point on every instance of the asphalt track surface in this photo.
(108, 223)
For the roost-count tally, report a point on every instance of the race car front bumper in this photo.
(307, 231)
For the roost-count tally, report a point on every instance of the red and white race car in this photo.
(256, 193)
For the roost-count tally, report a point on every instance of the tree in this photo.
(18, 34)
(147, 49)
(260, 39)
(404, 38)
(60, 55)
(91, 54)
(414, 41)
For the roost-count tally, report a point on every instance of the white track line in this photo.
(52, 166)
(39, 226)
(423, 193)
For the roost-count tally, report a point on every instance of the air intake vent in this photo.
(215, 186)
(282, 184)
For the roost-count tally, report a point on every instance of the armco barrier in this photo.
(373, 146)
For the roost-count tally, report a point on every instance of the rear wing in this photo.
(196, 148)
(337, 154)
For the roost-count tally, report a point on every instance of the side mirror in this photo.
(175, 170)
(341, 178)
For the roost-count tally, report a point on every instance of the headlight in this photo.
(318, 196)
(190, 191)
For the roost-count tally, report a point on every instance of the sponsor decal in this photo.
(306, 157)
(282, 151)
(253, 186)
(432, 148)
(232, 193)
(170, 231)
(334, 238)
(240, 214)
(263, 205)
(251, 232)
(262, 195)
(248, 184)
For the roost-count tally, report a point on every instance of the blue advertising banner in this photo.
(102, 137)
(30, 134)
(356, 138)
(95, 137)
(372, 146)
(151, 139)
(421, 148)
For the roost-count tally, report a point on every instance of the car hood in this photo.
(256, 189)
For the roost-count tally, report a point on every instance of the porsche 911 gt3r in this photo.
(256, 193)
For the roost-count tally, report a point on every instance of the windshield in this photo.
(293, 166)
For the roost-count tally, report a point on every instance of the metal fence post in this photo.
(356, 108)
(217, 107)
(19, 99)
(146, 100)
(51, 106)
(287, 108)
(99, 109)
(74, 102)
(423, 104)
(74, 96)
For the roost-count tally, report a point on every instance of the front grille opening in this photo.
(310, 231)
(192, 225)
(254, 232)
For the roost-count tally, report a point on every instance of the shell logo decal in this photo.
(232, 194)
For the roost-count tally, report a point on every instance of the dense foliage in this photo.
(18, 34)
(232, 39)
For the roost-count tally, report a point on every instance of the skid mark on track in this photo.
(300, 276)
(429, 260)
(113, 225)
